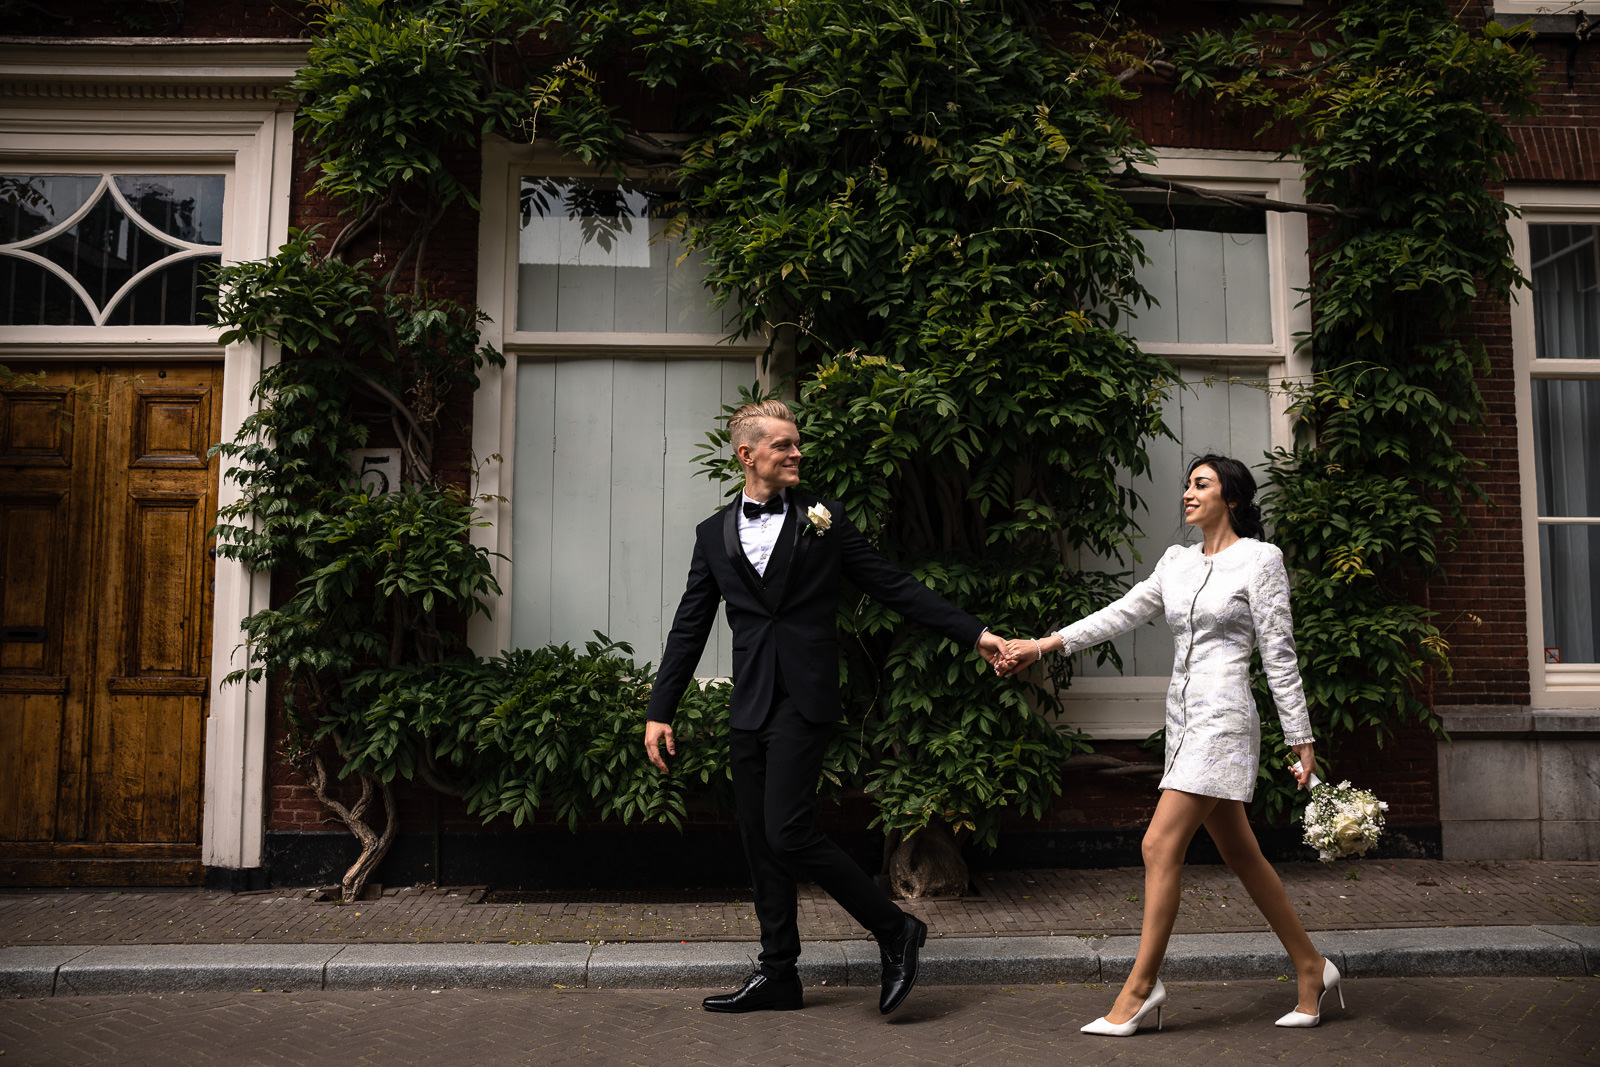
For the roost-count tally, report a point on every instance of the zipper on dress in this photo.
(1188, 653)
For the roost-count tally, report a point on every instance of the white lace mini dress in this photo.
(1219, 608)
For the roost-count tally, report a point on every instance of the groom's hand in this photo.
(655, 733)
(1019, 653)
(993, 649)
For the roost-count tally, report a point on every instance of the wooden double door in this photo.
(107, 498)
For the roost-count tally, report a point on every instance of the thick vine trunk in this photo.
(374, 846)
(928, 864)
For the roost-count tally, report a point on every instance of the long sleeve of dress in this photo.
(1269, 608)
(1138, 605)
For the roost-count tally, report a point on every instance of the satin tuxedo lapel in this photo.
(802, 540)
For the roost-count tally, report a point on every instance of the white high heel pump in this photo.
(1152, 1003)
(1330, 980)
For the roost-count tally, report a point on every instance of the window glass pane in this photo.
(170, 297)
(1566, 434)
(1569, 570)
(31, 204)
(606, 494)
(132, 224)
(596, 258)
(30, 295)
(1566, 305)
(188, 207)
(1208, 272)
(1225, 411)
(104, 249)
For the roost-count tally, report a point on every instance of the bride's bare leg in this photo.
(1229, 828)
(1178, 815)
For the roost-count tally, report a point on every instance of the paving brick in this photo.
(1389, 1021)
(1030, 903)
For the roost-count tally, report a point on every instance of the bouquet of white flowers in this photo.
(1342, 820)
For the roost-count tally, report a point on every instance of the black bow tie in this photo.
(753, 510)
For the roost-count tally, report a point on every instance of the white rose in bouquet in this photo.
(1342, 820)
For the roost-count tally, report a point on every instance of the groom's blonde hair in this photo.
(744, 425)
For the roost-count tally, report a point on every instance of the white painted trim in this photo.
(1543, 7)
(1126, 708)
(658, 345)
(239, 126)
(494, 416)
(1550, 685)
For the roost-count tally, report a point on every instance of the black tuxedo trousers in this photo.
(786, 697)
(775, 772)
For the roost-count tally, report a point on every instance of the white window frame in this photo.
(494, 415)
(1544, 7)
(160, 105)
(1550, 684)
(1131, 707)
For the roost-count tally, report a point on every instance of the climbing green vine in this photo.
(920, 196)
(1398, 110)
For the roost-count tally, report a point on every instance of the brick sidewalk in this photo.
(1374, 894)
(1463, 1023)
(1460, 1022)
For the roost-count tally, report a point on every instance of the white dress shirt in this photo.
(758, 536)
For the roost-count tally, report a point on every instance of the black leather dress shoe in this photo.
(900, 963)
(760, 993)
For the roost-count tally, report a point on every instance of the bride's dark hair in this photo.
(1238, 492)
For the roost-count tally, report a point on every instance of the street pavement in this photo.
(1491, 962)
(1454, 1021)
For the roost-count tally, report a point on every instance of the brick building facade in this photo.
(1510, 784)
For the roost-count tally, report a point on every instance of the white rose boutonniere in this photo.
(818, 519)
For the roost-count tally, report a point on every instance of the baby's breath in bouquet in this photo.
(1342, 820)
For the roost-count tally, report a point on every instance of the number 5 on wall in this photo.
(376, 470)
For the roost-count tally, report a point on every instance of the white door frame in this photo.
(140, 103)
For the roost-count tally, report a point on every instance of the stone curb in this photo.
(81, 970)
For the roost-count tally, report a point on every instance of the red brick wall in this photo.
(1168, 119)
(451, 267)
(1092, 800)
(150, 18)
(291, 805)
(1562, 144)
(1480, 597)
(1403, 773)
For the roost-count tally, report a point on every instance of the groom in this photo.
(778, 556)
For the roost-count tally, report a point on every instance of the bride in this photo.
(1222, 598)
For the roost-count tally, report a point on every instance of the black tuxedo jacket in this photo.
(787, 621)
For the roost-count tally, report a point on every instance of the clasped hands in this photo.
(1010, 657)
